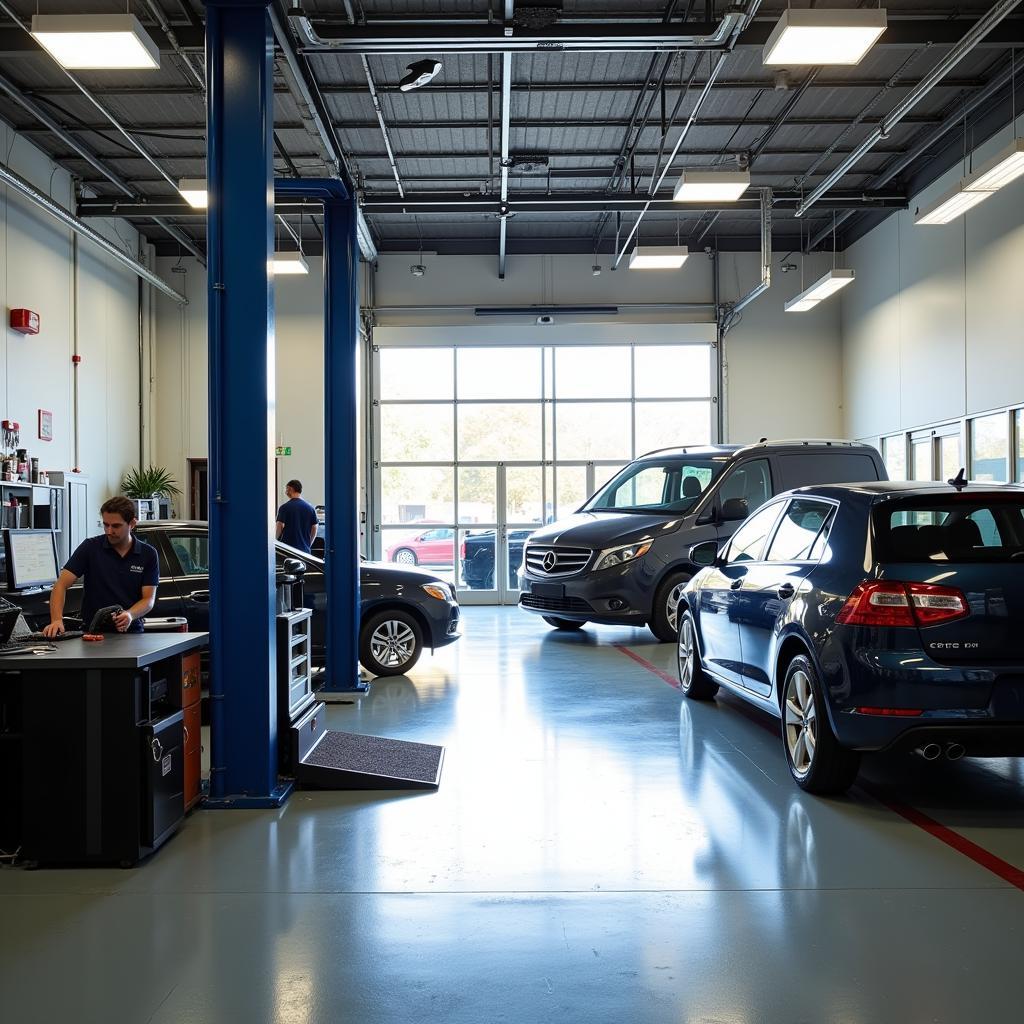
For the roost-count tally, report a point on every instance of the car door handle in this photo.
(736, 584)
(786, 590)
(200, 596)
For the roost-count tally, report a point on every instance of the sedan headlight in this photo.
(437, 590)
(627, 553)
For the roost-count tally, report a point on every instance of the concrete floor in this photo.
(599, 850)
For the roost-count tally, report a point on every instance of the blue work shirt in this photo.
(298, 518)
(111, 578)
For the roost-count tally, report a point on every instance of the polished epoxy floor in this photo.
(599, 850)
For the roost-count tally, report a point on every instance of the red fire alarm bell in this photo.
(25, 321)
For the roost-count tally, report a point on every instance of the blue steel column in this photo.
(241, 356)
(341, 497)
(341, 333)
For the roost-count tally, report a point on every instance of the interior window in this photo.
(799, 530)
(748, 541)
(193, 552)
(750, 482)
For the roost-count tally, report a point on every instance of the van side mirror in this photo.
(294, 567)
(705, 553)
(734, 509)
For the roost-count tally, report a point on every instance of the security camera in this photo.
(417, 270)
(545, 319)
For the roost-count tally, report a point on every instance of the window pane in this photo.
(894, 456)
(570, 490)
(748, 541)
(499, 372)
(989, 448)
(671, 424)
(499, 433)
(416, 495)
(798, 531)
(949, 456)
(593, 430)
(750, 483)
(193, 552)
(416, 433)
(592, 372)
(478, 494)
(1019, 416)
(434, 546)
(922, 455)
(411, 373)
(476, 559)
(673, 371)
(523, 496)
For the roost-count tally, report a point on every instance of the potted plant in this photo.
(151, 482)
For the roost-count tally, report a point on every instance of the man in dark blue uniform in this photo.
(119, 569)
(296, 519)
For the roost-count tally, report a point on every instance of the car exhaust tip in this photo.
(954, 751)
(930, 751)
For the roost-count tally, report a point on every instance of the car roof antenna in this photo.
(959, 481)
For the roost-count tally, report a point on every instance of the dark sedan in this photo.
(402, 610)
(875, 616)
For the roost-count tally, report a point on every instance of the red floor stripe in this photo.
(671, 680)
(972, 851)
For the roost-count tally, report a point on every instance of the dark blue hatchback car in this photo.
(867, 617)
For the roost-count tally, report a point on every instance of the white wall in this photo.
(768, 355)
(933, 327)
(37, 272)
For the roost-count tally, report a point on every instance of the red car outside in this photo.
(435, 546)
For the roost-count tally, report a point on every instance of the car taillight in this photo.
(889, 603)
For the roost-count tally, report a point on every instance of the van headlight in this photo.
(626, 553)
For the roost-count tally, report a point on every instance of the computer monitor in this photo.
(31, 558)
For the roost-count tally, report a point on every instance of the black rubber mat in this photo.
(346, 760)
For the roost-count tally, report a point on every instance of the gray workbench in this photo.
(116, 650)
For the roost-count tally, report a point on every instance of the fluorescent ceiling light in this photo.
(711, 186)
(289, 263)
(821, 289)
(807, 36)
(194, 192)
(95, 41)
(658, 257)
(999, 171)
(951, 205)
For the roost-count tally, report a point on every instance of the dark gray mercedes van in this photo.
(623, 557)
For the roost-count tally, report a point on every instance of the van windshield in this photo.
(668, 485)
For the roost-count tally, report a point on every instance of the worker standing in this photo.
(296, 519)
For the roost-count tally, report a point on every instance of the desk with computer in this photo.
(99, 738)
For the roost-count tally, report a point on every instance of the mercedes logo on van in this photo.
(549, 561)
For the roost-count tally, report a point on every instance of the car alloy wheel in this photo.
(672, 604)
(405, 557)
(801, 723)
(392, 643)
(685, 654)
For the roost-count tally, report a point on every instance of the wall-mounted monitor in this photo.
(31, 557)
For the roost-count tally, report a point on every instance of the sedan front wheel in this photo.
(390, 643)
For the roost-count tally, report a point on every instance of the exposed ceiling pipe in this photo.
(375, 99)
(744, 19)
(975, 35)
(66, 217)
(504, 133)
(730, 315)
(509, 38)
(953, 121)
(165, 26)
(175, 233)
(307, 90)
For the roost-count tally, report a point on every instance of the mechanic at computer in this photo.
(119, 569)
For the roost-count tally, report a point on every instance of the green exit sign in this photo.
(284, 449)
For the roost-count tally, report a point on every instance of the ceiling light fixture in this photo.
(711, 186)
(818, 37)
(95, 41)
(289, 263)
(194, 192)
(418, 74)
(950, 205)
(992, 175)
(821, 289)
(658, 257)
